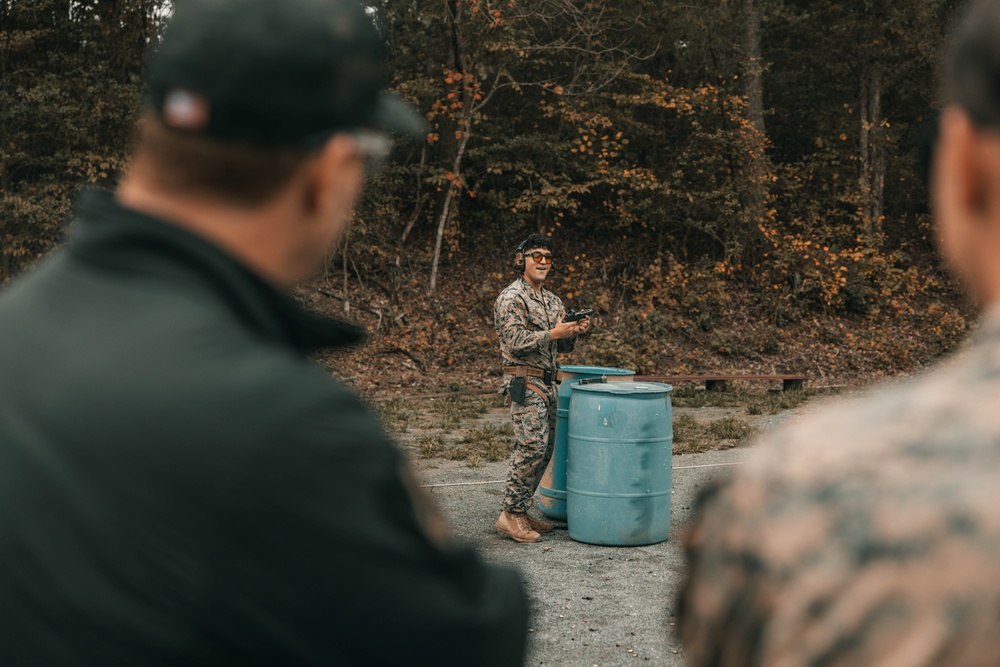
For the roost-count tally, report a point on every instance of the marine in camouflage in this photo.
(865, 534)
(523, 318)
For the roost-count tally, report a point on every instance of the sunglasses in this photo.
(540, 257)
(374, 147)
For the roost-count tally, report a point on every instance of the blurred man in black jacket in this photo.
(178, 483)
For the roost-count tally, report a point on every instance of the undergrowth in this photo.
(395, 414)
(769, 403)
(693, 436)
(489, 442)
(451, 412)
(461, 428)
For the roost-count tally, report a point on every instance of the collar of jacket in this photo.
(526, 286)
(136, 245)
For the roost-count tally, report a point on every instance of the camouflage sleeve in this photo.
(721, 606)
(891, 561)
(862, 534)
(513, 328)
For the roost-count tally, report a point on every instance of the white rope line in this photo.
(503, 481)
(709, 465)
(436, 486)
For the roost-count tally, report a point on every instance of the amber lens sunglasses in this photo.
(540, 257)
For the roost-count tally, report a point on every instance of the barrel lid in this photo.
(618, 388)
(596, 370)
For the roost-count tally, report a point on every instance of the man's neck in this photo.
(237, 232)
(535, 286)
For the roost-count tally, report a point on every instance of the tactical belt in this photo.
(530, 371)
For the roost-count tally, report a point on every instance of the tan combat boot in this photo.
(539, 525)
(517, 526)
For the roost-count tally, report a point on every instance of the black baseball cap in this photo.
(274, 72)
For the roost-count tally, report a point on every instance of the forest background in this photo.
(732, 185)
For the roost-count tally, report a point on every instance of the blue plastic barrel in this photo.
(618, 466)
(552, 488)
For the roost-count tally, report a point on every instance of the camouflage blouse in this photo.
(867, 533)
(523, 318)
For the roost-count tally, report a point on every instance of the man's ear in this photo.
(334, 176)
(960, 176)
(955, 191)
(966, 197)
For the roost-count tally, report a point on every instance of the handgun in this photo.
(577, 315)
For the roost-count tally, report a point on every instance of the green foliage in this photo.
(605, 349)
(623, 130)
(69, 92)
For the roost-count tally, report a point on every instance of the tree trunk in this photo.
(462, 134)
(756, 194)
(449, 198)
(872, 149)
(754, 66)
(877, 205)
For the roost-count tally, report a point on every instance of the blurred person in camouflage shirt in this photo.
(868, 533)
(529, 322)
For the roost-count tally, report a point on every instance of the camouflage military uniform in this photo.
(866, 534)
(523, 318)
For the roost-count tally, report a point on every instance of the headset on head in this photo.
(519, 251)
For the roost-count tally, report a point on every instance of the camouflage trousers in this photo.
(534, 436)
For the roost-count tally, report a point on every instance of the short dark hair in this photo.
(535, 241)
(973, 71)
(237, 172)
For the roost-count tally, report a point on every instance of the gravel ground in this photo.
(591, 605)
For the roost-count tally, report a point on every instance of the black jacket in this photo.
(179, 484)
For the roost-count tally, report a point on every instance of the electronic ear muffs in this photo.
(519, 251)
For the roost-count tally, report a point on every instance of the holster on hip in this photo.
(518, 386)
